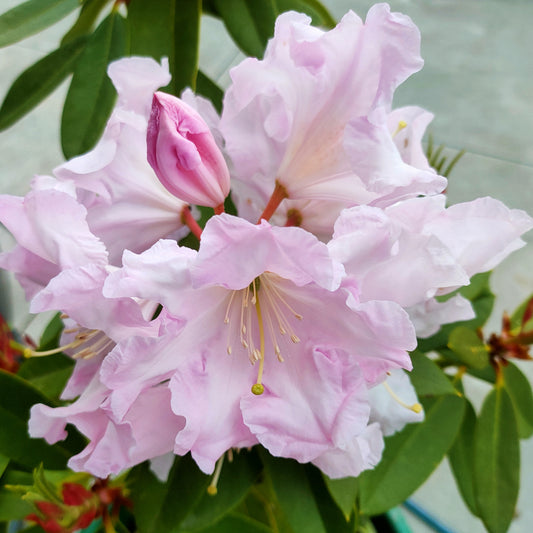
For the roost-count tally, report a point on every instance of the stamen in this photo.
(212, 488)
(416, 407)
(226, 316)
(258, 387)
(401, 125)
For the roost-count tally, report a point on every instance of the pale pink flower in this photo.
(271, 297)
(417, 249)
(394, 403)
(292, 118)
(184, 154)
(127, 206)
(114, 445)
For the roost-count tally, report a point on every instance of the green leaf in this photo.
(293, 494)
(16, 399)
(479, 293)
(319, 14)
(38, 81)
(236, 479)
(52, 333)
(48, 374)
(12, 506)
(4, 461)
(237, 523)
(496, 461)
(32, 17)
(208, 88)
(335, 521)
(155, 503)
(519, 389)
(91, 95)
(518, 316)
(168, 28)
(249, 22)
(427, 378)
(344, 492)
(461, 456)
(86, 20)
(469, 348)
(411, 455)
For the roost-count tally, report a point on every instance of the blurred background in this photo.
(477, 80)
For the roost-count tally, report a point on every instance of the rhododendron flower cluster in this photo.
(290, 325)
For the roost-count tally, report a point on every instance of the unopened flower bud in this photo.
(183, 153)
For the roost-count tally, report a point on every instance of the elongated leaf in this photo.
(343, 491)
(482, 298)
(16, 399)
(518, 319)
(427, 378)
(318, 13)
(333, 518)
(237, 523)
(293, 494)
(461, 456)
(519, 389)
(411, 455)
(469, 348)
(4, 461)
(48, 374)
(52, 333)
(32, 17)
(38, 81)
(208, 88)
(91, 94)
(168, 28)
(236, 479)
(86, 20)
(164, 506)
(249, 22)
(12, 506)
(496, 461)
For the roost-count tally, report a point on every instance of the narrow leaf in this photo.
(38, 81)
(16, 399)
(427, 378)
(479, 293)
(293, 494)
(155, 503)
(91, 94)
(32, 17)
(344, 492)
(315, 9)
(168, 28)
(411, 455)
(236, 479)
(249, 22)
(461, 456)
(86, 20)
(208, 88)
(519, 389)
(496, 461)
(468, 347)
(237, 523)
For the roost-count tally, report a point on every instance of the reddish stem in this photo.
(188, 220)
(294, 218)
(279, 194)
(219, 209)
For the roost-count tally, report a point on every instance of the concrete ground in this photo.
(478, 81)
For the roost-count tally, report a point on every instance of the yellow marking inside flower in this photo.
(401, 125)
(416, 407)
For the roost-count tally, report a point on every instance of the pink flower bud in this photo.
(184, 154)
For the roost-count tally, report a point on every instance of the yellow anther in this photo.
(416, 407)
